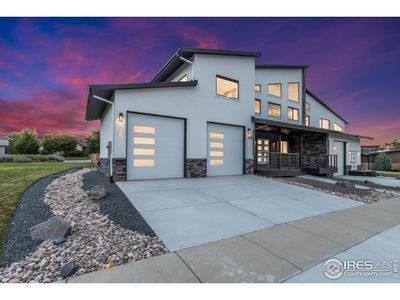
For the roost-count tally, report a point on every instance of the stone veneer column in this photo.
(196, 167)
(249, 166)
(119, 169)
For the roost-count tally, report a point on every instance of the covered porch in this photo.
(282, 149)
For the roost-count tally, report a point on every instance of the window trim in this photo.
(185, 75)
(298, 91)
(228, 79)
(342, 129)
(258, 100)
(257, 84)
(280, 110)
(320, 123)
(298, 113)
(280, 89)
(309, 120)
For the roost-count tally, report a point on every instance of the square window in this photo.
(274, 110)
(275, 89)
(293, 91)
(227, 87)
(257, 106)
(257, 88)
(293, 114)
(324, 123)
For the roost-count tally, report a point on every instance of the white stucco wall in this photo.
(105, 130)
(352, 144)
(264, 76)
(186, 68)
(198, 104)
(317, 111)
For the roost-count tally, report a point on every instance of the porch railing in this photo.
(278, 160)
(321, 161)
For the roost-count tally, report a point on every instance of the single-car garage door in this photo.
(225, 150)
(338, 149)
(155, 147)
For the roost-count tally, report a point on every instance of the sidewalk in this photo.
(273, 254)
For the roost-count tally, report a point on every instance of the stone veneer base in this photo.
(196, 167)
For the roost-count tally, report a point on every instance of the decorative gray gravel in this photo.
(31, 210)
(116, 205)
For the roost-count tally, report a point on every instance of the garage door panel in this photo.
(155, 147)
(225, 150)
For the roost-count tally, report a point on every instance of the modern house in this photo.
(217, 112)
(81, 145)
(4, 143)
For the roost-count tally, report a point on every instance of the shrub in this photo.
(93, 142)
(26, 142)
(77, 153)
(58, 143)
(56, 158)
(38, 157)
(383, 162)
(22, 159)
(6, 158)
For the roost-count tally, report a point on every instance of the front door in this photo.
(262, 151)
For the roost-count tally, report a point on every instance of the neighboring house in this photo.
(216, 112)
(368, 159)
(4, 143)
(81, 145)
(369, 148)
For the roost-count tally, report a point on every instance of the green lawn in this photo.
(15, 178)
(389, 174)
(76, 158)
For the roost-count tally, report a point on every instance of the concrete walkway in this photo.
(188, 212)
(274, 254)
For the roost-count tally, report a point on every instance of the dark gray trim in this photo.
(263, 66)
(95, 108)
(227, 79)
(304, 128)
(174, 62)
(303, 95)
(325, 105)
(162, 116)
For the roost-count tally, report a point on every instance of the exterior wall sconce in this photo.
(249, 133)
(121, 117)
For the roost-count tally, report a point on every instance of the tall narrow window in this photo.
(307, 120)
(307, 106)
(293, 91)
(337, 127)
(324, 123)
(274, 110)
(227, 87)
(183, 78)
(293, 114)
(284, 147)
(274, 89)
(257, 106)
(257, 88)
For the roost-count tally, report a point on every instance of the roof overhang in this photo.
(263, 66)
(95, 107)
(306, 128)
(175, 62)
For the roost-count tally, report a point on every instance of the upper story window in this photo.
(227, 87)
(257, 88)
(337, 127)
(307, 106)
(257, 106)
(274, 110)
(183, 78)
(293, 114)
(307, 120)
(275, 89)
(293, 91)
(324, 123)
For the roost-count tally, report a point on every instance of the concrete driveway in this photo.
(192, 211)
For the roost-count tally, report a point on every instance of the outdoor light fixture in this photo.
(249, 133)
(121, 117)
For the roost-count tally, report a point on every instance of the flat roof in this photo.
(305, 128)
(269, 66)
(174, 62)
(95, 107)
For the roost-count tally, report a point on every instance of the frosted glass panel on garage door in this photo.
(225, 150)
(155, 147)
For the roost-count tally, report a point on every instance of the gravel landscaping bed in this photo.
(370, 184)
(366, 196)
(96, 240)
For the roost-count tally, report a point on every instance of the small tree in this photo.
(383, 162)
(59, 143)
(93, 142)
(27, 142)
(395, 144)
(50, 144)
(11, 143)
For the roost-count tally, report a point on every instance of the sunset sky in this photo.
(46, 64)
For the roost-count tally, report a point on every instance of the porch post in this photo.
(301, 150)
(279, 148)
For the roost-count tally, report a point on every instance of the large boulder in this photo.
(345, 184)
(54, 229)
(97, 192)
(68, 269)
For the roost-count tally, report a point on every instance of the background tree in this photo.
(93, 142)
(11, 147)
(383, 162)
(26, 142)
(59, 143)
(395, 144)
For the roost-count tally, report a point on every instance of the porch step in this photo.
(329, 171)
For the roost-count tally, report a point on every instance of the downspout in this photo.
(189, 62)
(112, 132)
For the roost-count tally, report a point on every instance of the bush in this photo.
(383, 162)
(58, 143)
(93, 142)
(22, 159)
(26, 142)
(77, 153)
(6, 158)
(56, 158)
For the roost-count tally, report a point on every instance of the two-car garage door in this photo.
(156, 148)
